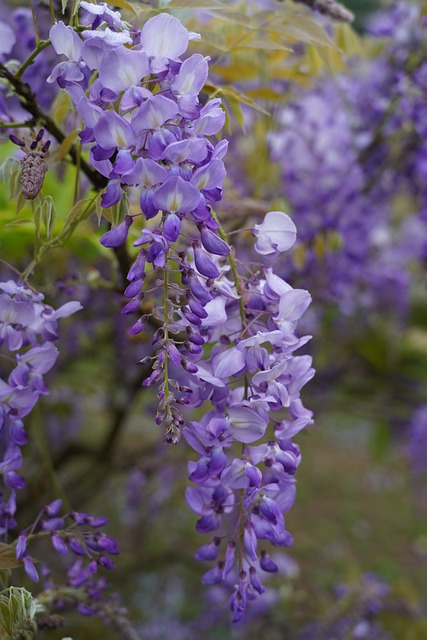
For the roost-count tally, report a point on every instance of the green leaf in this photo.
(10, 165)
(20, 203)
(334, 240)
(48, 213)
(18, 222)
(99, 210)
(347, 40)
(236, 110)
(120, 210)
(4, 578)
(235, 18)
(10, 174)
(319, 247)
(17, 611)
(14, 607)
(141, 10)
(232, 95)
(262, 45)
(8, 557)
(214, 40)
(115, 214)
(15, 185)
(302, 28)
(121, 4)
(61, 152)
(61, 107)
(37, 222)
(81, 210)
(265, 93)
(314, 59)
(5, 618)
(196, 4)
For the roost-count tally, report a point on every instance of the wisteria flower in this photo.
(275, 234)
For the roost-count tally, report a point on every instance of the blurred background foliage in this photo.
(362, 9)
(358, 565)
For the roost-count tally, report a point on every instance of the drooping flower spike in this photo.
(28, 330)
(149, 134)
(243, 481)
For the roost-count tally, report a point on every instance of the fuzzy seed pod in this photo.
(32, 176)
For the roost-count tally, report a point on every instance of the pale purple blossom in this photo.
(275, 234)
(28, 328)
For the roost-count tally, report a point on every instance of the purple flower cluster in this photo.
(28, 330)
(243, 480)
(17, 42)
(85, 589)
(84, 578)
(148, 135)
(142, 115)
(351, 150)
(147, 131)
(67, 533)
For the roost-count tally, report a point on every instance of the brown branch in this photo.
(120, 412)
(329, 8)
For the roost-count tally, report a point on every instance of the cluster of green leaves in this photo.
(17, 612)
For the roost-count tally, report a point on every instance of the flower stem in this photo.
(238, 285)
(41, 44)
(10, 266)
(77, 177)
(236, 278)
(17, 125)
(166, 321)
(25, 274)
(33, 13)
(52, 11)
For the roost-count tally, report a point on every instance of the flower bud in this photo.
(204, 264)
(213, 243)
(117, 236)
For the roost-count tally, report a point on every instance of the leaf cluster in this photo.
(17, 610)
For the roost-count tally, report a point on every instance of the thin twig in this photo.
(43, 44)
(17, 125)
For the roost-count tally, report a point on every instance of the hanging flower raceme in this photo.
(28, 330)
(76, 532)
(243, 481)
(148, 134)
(342, 185)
